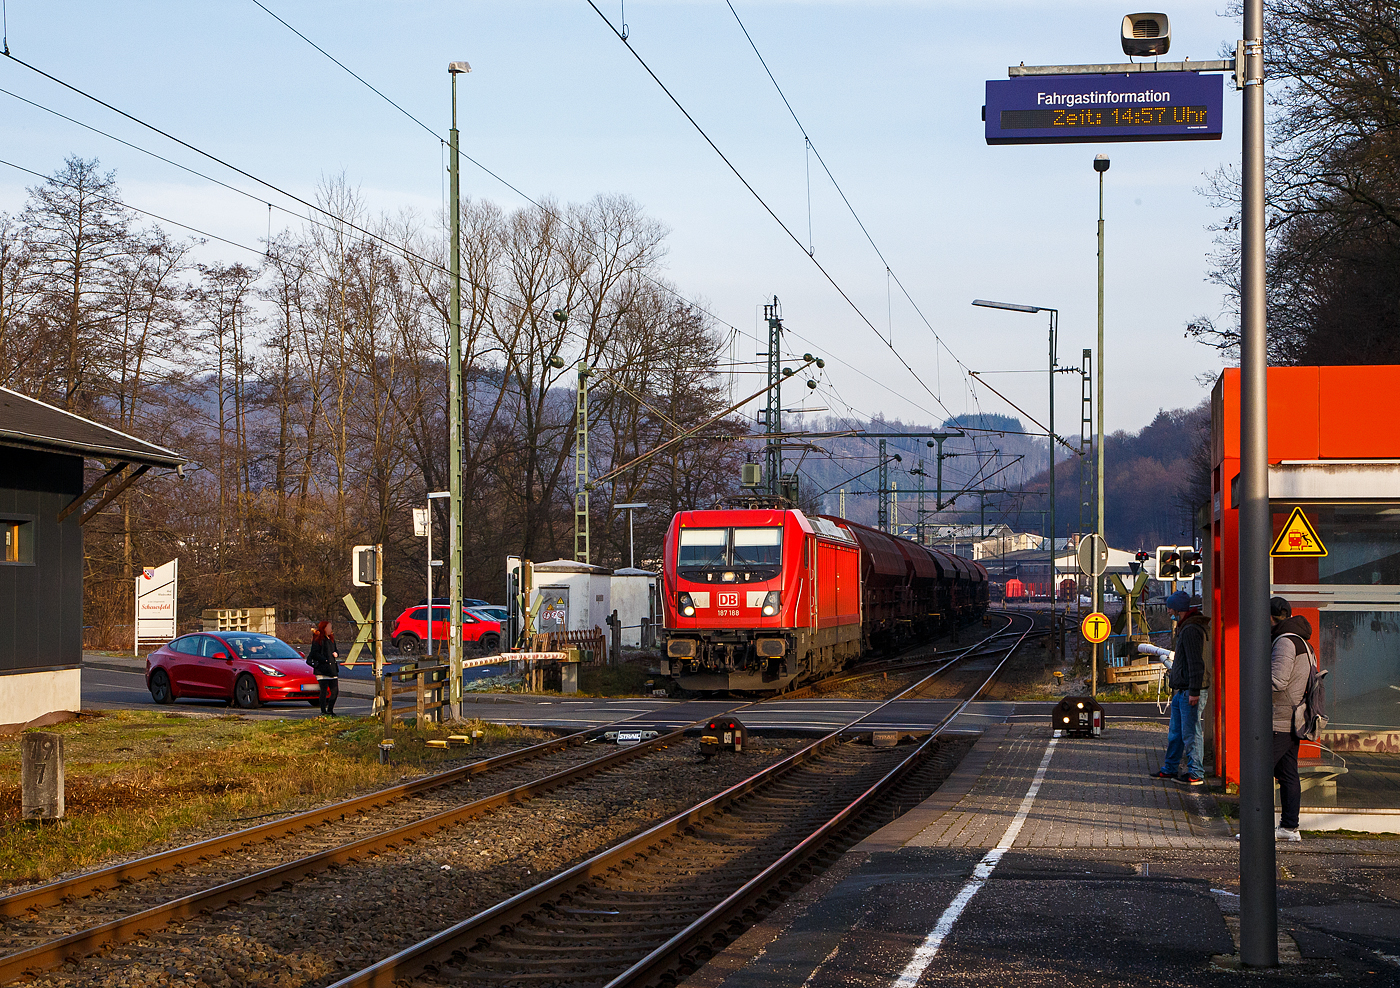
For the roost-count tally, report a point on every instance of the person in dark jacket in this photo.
(324, 660)
(1187, 681)
(1290, 661)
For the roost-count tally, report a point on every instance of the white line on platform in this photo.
(928, 950)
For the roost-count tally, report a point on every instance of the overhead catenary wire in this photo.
(543, 207)
(812, 148)
(767, 208)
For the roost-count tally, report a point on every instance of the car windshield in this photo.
(251, 646)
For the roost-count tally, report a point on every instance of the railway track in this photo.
(661, 903)
(907, 664)
(202, 878)
(123, 901)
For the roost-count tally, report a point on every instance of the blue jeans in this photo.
(1181, 737)
(1198, 747)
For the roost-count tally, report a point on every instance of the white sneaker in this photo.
(1283, 833)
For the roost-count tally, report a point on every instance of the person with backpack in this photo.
(1188, 681)
(1291, 665)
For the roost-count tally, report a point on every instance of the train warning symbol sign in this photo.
(1095, 627)
(1298, 538)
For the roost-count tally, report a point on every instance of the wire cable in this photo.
(557, 217)
(766, 208)
(835, 184)
(368, 85)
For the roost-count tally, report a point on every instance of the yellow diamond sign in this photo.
(1298, 538)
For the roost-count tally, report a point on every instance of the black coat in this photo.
(320, 659)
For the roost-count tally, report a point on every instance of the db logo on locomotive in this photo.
(728, 600)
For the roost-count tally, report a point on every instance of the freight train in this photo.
(764, 599)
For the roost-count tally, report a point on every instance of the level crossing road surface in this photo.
(1059, 862)
(114, 683)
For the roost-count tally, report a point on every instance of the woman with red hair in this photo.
(324, 661)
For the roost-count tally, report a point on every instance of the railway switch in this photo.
(723, 733)
(1078, 716)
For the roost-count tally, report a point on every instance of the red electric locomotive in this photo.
(762, 599)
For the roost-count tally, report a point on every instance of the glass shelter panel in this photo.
(1351, 597)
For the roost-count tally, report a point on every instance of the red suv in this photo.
(410, 631)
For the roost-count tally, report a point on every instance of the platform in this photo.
(1061, 862)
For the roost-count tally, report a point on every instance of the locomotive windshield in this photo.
(758, 546)
(702, 547)
(730, 554)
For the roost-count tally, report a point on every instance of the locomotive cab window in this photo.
(703, 547)
(730, 555)
(758, 546)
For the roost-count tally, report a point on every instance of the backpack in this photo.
(1310, 716)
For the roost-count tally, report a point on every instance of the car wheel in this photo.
(245, 692)
(408, 644)
(490, 644)
(314, 703)
(160, 687)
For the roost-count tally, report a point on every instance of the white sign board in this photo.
(155, 603)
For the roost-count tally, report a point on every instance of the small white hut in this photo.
(578, 596)
(634, 595)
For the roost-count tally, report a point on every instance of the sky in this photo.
(890, 94)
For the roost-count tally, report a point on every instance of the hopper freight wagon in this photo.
(765, 599)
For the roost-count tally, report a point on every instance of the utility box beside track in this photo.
(1078, 716)
(722, 734)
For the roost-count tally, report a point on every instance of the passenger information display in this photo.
(1067, 109)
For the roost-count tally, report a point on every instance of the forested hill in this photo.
(1155, 477)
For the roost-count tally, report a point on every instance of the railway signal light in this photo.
(1190, 566)
(1168, 563)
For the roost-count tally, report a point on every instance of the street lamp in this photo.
(1054, 341)
(631, 549)
(1100, 166)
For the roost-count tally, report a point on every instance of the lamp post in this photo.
(1054, 363)
(1100, 166)
(631, 549)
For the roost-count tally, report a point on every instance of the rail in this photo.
(440, 948)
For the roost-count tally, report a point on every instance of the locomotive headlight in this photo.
(686, 605)
(771, 603)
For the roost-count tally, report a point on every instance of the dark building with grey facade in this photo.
(45, 499)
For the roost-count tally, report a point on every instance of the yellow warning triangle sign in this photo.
(1298, 538)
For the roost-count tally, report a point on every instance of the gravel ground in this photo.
(327, 926)
(882, 685)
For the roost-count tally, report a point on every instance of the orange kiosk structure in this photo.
(1334, 493)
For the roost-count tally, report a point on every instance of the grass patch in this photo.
(134, 779)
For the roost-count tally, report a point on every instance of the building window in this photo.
(16, 541)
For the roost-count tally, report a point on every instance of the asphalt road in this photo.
(117, 684)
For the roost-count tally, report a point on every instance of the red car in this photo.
(410, 631)
(242, 667)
